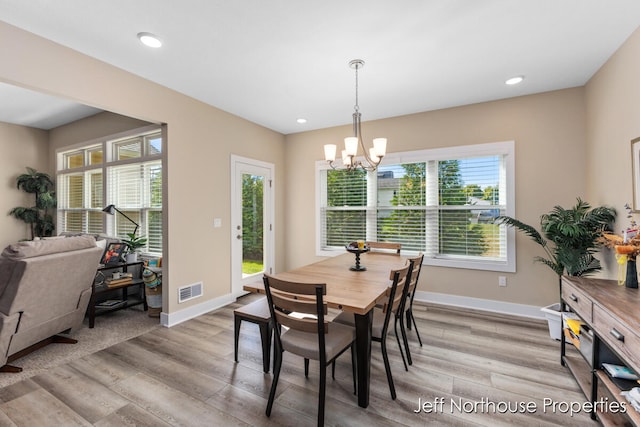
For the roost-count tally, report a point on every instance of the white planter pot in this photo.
(132, 257)
(554, 319)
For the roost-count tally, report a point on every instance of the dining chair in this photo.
(300, 308)
(255, 312)
(411, 293)
(385, 246)
(381, 317)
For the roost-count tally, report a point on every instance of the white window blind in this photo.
(345, 210)
(401, 205)
(468, 202)
(78, 194)
(136, 190)
(129, 177)
(439, 202)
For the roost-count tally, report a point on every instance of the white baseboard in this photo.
(194, 311)
(501, 307)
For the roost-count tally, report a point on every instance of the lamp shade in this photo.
(346, 159)
(330, 152)
(111, 210)
(351, 145)
(373, 155)
(380, 146)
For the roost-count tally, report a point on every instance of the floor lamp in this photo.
(111, 210)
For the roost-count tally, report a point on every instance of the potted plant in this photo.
(38, 217)
(134, 243)
(569, 238)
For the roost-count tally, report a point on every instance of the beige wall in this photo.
(200, 140)
(556, 135)
(613, 120)
(20, 147)
(91, 128)
(549, 134)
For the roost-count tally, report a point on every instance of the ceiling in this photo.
(274, 61)
(34, 109)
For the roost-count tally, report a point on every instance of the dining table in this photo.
(350, 290)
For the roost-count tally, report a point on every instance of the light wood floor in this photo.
(186, 376)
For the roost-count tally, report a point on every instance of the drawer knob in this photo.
(573, 298)
(617, 335)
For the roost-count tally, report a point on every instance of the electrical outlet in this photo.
(502, 281)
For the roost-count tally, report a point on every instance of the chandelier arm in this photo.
(354, 164)
(372, 164)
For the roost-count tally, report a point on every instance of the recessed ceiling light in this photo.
(149, 39)
(302, 121)
(514, 80)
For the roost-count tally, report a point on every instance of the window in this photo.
(129, 177)
(441, 202)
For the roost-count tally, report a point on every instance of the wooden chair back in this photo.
(397, 290)
(385, 246)
(289, 300)
(416, 264)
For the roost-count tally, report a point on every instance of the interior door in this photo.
(252, 243)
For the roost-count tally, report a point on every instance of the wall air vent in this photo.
(192, 291)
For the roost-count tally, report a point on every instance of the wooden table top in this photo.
(352, 291)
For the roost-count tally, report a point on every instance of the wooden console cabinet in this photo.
(612, 312)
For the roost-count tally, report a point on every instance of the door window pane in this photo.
(252, 224)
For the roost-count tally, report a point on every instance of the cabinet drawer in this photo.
(579, 302)
(619, 337)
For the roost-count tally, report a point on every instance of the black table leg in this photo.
(363, 354)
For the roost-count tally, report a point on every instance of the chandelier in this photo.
(373, 156)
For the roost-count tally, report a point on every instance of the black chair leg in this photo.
(416, 327)
(236, 333)
(333, 369)
(387, 368)
(408, 316)
(306, 368)
(321, 397)
(277, 364)
(406, 341)
(395, 327)
(265, 336)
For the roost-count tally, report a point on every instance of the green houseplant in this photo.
(38, 217)
(569, 238)
(134, 243)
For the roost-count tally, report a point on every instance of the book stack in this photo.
(622, 376)
(118, 282)
(633, 397)
(619, 371)
(110, 303)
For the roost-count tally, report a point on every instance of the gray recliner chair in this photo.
(45, 287)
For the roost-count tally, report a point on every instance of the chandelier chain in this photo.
(357, 107)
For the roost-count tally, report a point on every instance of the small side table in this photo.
(125, 300)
